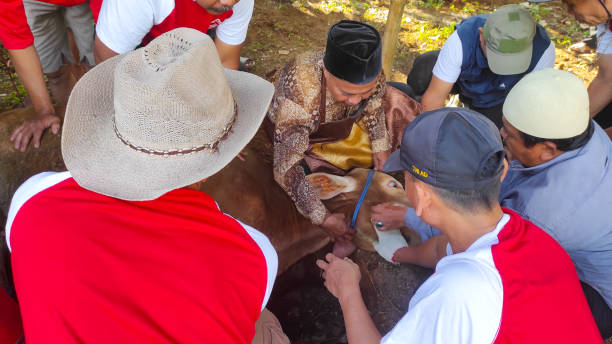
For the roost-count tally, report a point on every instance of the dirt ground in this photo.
(281, 29)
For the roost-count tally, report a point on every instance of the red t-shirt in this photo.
(187, 13)
(14, 30)
(124, 25)
(95, 269)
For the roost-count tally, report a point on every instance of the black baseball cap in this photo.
(353, 52)
(450, 148)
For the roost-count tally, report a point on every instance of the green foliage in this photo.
(565, 41)
(469, 8)
(430, 3)
(11, 96)
(574, 29)
(329, 6)
(432, 37)
(360, 5)
(538, 12)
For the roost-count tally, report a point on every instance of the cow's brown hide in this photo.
(247, 191)
(17, 167)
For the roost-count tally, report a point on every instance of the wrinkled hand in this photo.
(33, 128)
(341, 276)
(380, 158)
(336, 226)
(391, 215)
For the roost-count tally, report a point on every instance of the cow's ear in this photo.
(329, 185)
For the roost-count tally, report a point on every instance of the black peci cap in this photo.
(450, 148)
(353, 52)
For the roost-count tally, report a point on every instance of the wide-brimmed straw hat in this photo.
(159, 118)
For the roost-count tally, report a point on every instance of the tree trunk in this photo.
(394, 21)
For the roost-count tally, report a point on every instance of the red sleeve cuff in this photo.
(14, 30)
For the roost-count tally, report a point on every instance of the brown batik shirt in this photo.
(294, 109)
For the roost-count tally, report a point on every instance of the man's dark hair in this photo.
(473, 200)
(563, 145)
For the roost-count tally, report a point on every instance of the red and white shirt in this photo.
(512, 285)
(89, 268)
(123, 25)
(14, 30)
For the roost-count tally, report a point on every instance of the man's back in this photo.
(481, 85)
(91, 268)
(514, 284)
(569, 198)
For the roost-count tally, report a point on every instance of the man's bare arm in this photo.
(342, 280)
(436, 94)
(29, 70)
(600, 89)
(101, 51)
(427, 254)
(229, 54)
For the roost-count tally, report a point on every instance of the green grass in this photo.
(430, 3)
(539, 12)
(11, 96)
(431, 37)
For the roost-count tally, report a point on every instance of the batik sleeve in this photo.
(374, 119)
(291, 141)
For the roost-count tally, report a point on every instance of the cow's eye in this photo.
(393, 184)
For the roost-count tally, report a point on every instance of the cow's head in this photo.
(340, 195)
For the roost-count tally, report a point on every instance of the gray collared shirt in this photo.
(569, 197)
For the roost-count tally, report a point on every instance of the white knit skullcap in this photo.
(549, 103)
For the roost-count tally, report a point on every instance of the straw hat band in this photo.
(179, 151)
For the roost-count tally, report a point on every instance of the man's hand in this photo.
(33, 129)
(380, 158)
(388, 215)
(341, 276)
(335, 225)
(600, 89)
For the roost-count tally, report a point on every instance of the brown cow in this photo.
(244, 189)
(247, 191)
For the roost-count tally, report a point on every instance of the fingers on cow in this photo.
(388, 216)
(341, 275)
